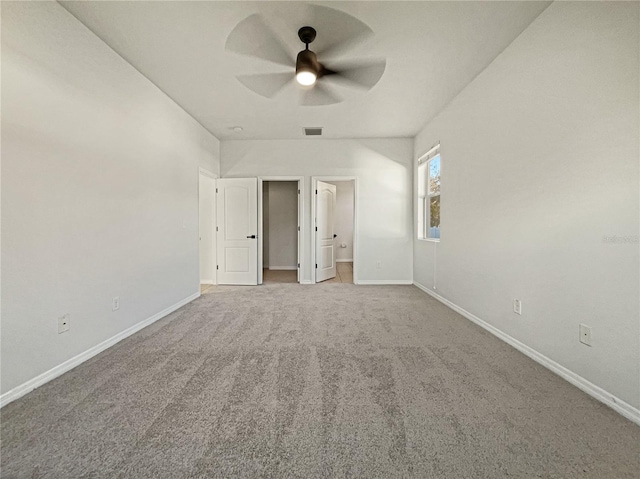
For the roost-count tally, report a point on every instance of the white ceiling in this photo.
(433, 50)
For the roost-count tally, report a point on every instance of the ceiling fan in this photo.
(318, 83)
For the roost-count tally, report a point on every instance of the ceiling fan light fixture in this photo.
(307, 68)
(306, 78)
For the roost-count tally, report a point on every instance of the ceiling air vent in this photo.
(312, 131)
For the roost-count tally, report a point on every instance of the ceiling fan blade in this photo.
(252, 37)
(363, 75)
(317, 95)
(266, 84)
(338, 32)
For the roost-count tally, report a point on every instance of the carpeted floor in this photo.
(331, 380)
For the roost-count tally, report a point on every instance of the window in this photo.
(429, 194)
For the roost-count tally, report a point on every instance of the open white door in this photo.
(325, 247)
(300, 212)
(237, 208)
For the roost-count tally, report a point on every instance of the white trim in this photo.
(207, 281)
(69, 364)
(306, 281)
(344, 260)
(431, 153)
(621, 407)
(426, 220)
(260, 230)
(282, 268)
(204, 171)
(384, 281)
(314, 187)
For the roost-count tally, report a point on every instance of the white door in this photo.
(237, 205)
(206, 229)
(299, 244)
(325, 248)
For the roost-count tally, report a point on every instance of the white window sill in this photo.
(430, 240)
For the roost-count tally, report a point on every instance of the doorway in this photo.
(334, 229)
(206, 226)
(280, 237)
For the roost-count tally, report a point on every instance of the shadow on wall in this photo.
(385, 151)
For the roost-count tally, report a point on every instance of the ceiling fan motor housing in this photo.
(307, 35)
(307, 61)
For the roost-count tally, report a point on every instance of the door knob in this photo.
(252, 236)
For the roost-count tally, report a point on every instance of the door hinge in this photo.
(298, 228)
(217, 267)
(316, 265)
(216, 190)
(298, 265)
(216, 228)
(316, 228)
(316, 192)
(298, 191)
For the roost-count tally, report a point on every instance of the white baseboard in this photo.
(69, 364)
(384, 281)
(621, 407)
(283, 268)
(207, 281)
(344, 261)
(306, 281)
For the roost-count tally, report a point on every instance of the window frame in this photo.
(423, 208)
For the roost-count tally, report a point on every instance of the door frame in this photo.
(314, 188)
(300, 180)
(214, 177)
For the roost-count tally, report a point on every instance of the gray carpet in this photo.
(331, 380)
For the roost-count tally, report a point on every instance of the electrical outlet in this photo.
(517, 306)
(378, 264)
(115, 305)
(63, 323)
(585, 334)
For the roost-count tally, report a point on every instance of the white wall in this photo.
(540, 160)
(344, 219)
(99, 192)
(383, 168)
(283, 225)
